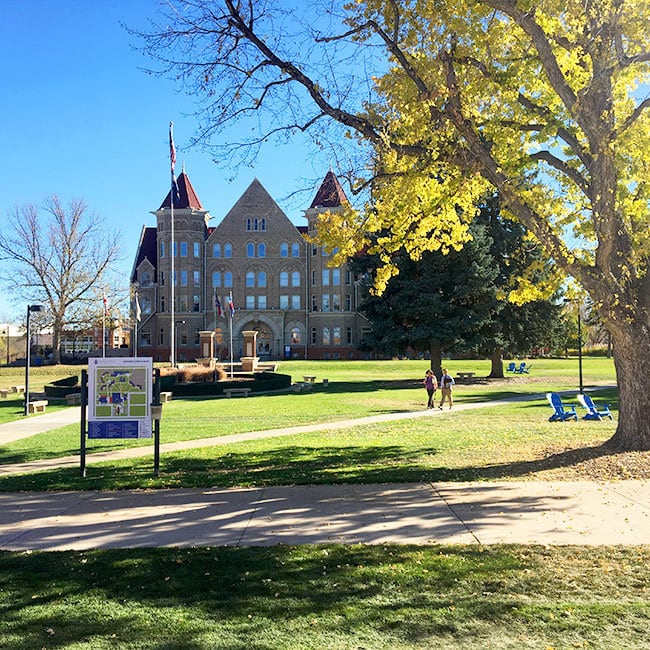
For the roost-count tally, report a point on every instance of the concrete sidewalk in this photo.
(582, 513)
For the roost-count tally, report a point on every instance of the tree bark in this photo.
(436, 359)
(632, 360)
(496, 370)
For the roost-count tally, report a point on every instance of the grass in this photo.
(344, 597)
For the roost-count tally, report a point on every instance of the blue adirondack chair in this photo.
(561, 412)
(511, 367)
(593, 413)
(522, 368)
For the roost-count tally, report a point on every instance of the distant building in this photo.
(281, 284)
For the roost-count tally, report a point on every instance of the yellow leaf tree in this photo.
(544, 101)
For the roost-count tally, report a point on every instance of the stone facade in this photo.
(281, 285)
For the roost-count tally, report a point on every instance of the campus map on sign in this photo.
(119, 397)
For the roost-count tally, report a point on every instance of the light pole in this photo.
(579, 342)
(30, 309)
(175, 341)
(7, 333)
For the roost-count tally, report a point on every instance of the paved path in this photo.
(461, 513)
(469, 513)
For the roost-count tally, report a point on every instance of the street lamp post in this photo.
(7, 333)
(30, 309)
(579, 343)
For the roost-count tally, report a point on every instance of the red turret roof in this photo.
(187, 197)
(330, 194)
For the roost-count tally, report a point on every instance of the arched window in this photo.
(250, 279)
(295, 336)
(227, 249)
(216, 250)
(284, 249)
(295, 249)
(227, 280)
(284, 279)
(261, 279)
(295, 279)
(216, 278)
(261, 249)
(250, 250)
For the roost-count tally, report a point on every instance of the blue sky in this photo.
(81, 119)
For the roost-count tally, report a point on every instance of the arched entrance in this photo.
(264, 338)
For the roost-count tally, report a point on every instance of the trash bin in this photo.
(325, 383)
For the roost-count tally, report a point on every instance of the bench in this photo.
(37, 407)
(466, 376)
(232, 392)
(165, 396)
(73, 398)
(4, 392)
(17, 389)
(309, 379)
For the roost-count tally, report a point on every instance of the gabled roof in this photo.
(187, 197)
(330, 194)
(147, 249)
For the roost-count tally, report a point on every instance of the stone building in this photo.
(281, 285)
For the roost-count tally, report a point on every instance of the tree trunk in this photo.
(632, 360)
(436, 359)
(496, 358)
(57, 328)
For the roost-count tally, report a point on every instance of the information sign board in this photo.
(119, 397)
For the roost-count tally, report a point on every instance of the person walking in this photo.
(431, 384)
(446, 385)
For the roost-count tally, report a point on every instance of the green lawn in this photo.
(327, 597)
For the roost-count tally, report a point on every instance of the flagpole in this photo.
(172, 155)
(230, 310)
(104, 323)
(135, 328)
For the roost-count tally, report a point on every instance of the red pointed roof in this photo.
(187, 197)
(330, 194)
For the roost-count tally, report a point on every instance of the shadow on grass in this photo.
(258, 598)
(292, 466)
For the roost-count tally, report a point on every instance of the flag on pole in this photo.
(104, 300)
(217, 304)
(231, 305)
(172, 148)
(138, 312)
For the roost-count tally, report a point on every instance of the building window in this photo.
(314, 304)
(227, 280)
(183, 337)
(196, 303)
(261, 302)
(336, 302)
(284, 279)
(196, 249)
(326, 277)
(184, 249)
(294, 336)
(284, 249)
(295, 279)
(261, 249)
(197, 278)
(326, 301)
(249, 224)
(161, 335)
(326, 336)
(261, 279)
(145, 336)
(314, 250)
(197, 337)
(348, 277)
(336, 277)
(227, 249)
(348, 302)
(162, 303)
(216, 278)
(313, 336)
(145, 278)
(162, 279)
(145, 305)
(162, 249)
(284, 302)
(263, 223)
(313, 278)
(182, 302)
(295, 249)
(348, 336)
(250, 279)
(216, 250)
(250, 302)
(250, 249)
(183, 278)
(336, 335)
(175, 249)
(295, 302)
